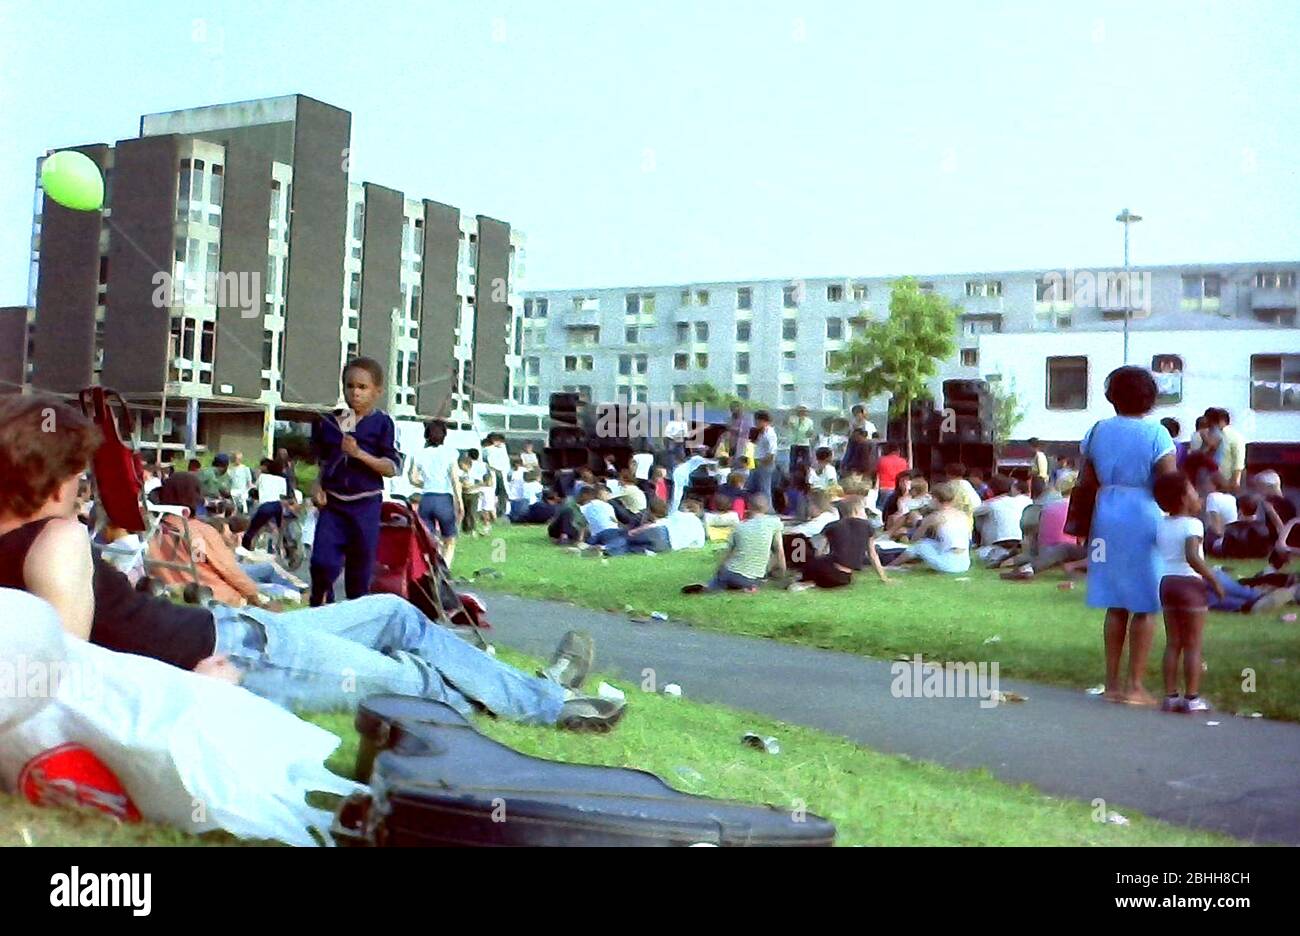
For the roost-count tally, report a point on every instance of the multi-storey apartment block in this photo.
(235, 266)
(1216, 334)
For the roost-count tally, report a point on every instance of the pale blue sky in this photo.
(646, 143)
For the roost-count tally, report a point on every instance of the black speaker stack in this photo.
(566, 446)
(960, 431)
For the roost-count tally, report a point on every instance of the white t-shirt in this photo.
(515, 485)
(817, 524)
(1223, 504)
(498, 456)
(529, 460)
(954, 533)
(241, 479)
(643, 461)
(1171, 543)
(675, 430)
(600, 517)
(271, 487)
(682, 478)
(765, 445)
(478, 471)
(436, 465)
(685, 530)
(1002, 517)
(819, 479)
(533, 491)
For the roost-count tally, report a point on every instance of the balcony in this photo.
(1274, 305)
(981, 323)
(582, 315)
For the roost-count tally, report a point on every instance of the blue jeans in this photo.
(1236, 596)
(330, 658)
(268, 573)
(726, 578)
(941, 560)
(654, 539)
(760, 481)
(614, 540)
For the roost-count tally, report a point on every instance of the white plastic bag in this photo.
(191, 751)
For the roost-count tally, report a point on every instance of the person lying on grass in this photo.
(320, 659)
(755, 549)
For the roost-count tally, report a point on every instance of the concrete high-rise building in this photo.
(1216, 334)
(235, 266)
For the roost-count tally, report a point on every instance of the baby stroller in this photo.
(117, 475)
(410, 564)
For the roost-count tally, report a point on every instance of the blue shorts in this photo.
(439, 512)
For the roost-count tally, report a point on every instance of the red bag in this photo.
(71, 775)
(118, 470)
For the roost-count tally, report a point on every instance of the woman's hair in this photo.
(657, 507)
(720, 503)
(920, 487)
(819, 501)
(944, 492)
(238, 523)
(1172, 425)
(1131, 390)
(42, 443)
(735, 479)
(823, 453)
(435, 432)
(955, 470)
(369, 365)
(1170, 488)
(473, 454)
(181, 490)
(1247, 504)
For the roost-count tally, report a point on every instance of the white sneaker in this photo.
(1196, 705)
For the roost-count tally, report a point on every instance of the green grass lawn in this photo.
(874, 799)
(1044, 633)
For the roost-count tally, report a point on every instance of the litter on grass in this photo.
(998, 695)
(758, 742)
(994, 639)
(659, 616)
(611, 693)
(1211, 724)
(1095, 690)
(1289, 618)
(674, 690)
(1115, 818)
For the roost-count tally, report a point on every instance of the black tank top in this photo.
(125, 620)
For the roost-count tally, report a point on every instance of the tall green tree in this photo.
(901, 354)
(1007, 411)
(710, 396)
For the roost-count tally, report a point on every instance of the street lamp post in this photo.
(1126, 218)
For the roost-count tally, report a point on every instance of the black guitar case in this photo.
(435, 780)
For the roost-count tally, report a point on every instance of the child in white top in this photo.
(1182, 589)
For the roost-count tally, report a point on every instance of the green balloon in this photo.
(73, 180)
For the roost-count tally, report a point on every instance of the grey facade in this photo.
(492, 312)
(442, 309)
(381, 291)
(776, 350)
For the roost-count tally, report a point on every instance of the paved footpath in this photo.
(1241, 777)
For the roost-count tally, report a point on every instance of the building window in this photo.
(701, 331)
(1275, 280)
(218, 178)
(584, 335)
(683, 332)
(534, 396)
(528, 308)
(744, 298)
(1067, 383)
(354, 289)
(834, 329)
(788, 360)
(183, 188)
(702, 360)
(970, 357)
(859, 293)
(832, 360)
(586, 304)
(1049, 289)
(624, 364)
(679, 392)
(415, 304)
(787, 394)
(543, 307)
(358, 219)
(972, 326)
(742, 391)
(570, 362)
(789, 329)
(647, 303)
(1275, 382)
(630, 335)
(702, 297)
(1168, 372)
(742, 362)
(681, 361)
(686, 297)
(742, 331)
(835, 293)
(790, 297)
(984, 287)
(275, 200)
(642, 364)
(633, 304)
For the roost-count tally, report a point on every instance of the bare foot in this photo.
(1114, 695)
(1140, 697)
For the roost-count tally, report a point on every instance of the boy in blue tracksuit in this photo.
(356, 450)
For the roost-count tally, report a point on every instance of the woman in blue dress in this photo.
(1126, 453)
